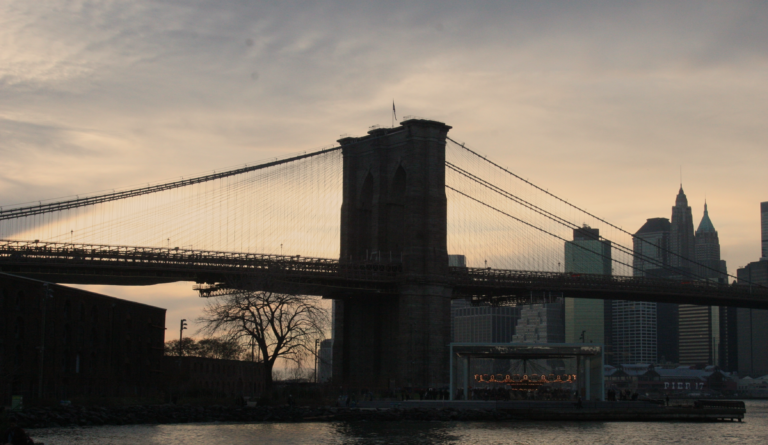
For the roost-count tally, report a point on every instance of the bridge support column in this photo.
(393, 341)
(395, 212)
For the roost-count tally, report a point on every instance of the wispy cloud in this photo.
(100, 94)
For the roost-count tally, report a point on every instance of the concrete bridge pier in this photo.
(395, 211)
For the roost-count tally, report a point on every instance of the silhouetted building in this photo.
(764, 229)
(325, 361)
(648, 332)
(83, 344)
(700, 330)
(651, 247)
(585, 318)
(483, 324)
(541, 323)
(211, 377)
(681, 236)
(707, 249)
(753, 325)
(729, 339)
(699, 335)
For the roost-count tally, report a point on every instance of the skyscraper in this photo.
(483, 324)
(707, 250)
(752, 324)
(587, 254)
(681, 237)
(700, 325)
(540, 323)
(636, 336)
(764, 229)
(651, 247)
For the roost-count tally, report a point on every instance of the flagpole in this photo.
(394, 113)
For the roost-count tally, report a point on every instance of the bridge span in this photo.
(219, 272)
(389, 191)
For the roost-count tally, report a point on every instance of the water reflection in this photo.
(398, 433)
(752, 431)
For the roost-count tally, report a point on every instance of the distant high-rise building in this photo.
(681, 237)
(325, 361)
(541, 323)
(634, 332)
(651, 247)
(482, 324)
(585, 319)
(764, 229)
(752, 325)
(707, 250)
(647, 332)
(700, 330)
(699, 341)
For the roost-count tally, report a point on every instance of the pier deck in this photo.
(590, 411)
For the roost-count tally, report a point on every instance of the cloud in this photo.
(599, 101)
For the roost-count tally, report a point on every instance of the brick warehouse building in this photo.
(93, 345)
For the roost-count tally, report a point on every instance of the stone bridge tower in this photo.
(395, 210)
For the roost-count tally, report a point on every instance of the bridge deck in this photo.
(128, 265)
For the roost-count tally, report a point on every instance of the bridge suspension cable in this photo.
(546, 214)
(288, 207)
(21, 212)
(630, 252)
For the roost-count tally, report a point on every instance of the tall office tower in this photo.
(647, 332)
(681, 236)
(651, 247)
(483, 324)
(729, 339)
(699, 339)
(700, 331)
(540, 323)
(585, 318)
(634, 332)
(752, 325)
(707, 250)
(764, 229)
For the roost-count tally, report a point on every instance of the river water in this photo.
(753, 430)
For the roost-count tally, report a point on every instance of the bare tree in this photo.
(281, 325)
(221, 348)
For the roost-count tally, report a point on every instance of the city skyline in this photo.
(104, 95)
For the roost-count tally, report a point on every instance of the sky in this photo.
(602, 102)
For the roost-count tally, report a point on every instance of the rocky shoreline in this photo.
(167, 414)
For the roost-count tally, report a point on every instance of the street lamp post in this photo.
(183, 325)
(317, 340)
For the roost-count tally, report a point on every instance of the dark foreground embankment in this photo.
(165, 414)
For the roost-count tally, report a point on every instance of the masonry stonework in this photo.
(395, 211)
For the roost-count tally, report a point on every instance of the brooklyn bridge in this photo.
(369, 223)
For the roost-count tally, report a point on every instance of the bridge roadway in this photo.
(128, 265)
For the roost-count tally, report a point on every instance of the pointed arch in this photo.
(366, 192)
(396, 214)
(399, 184)
(365, 217)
